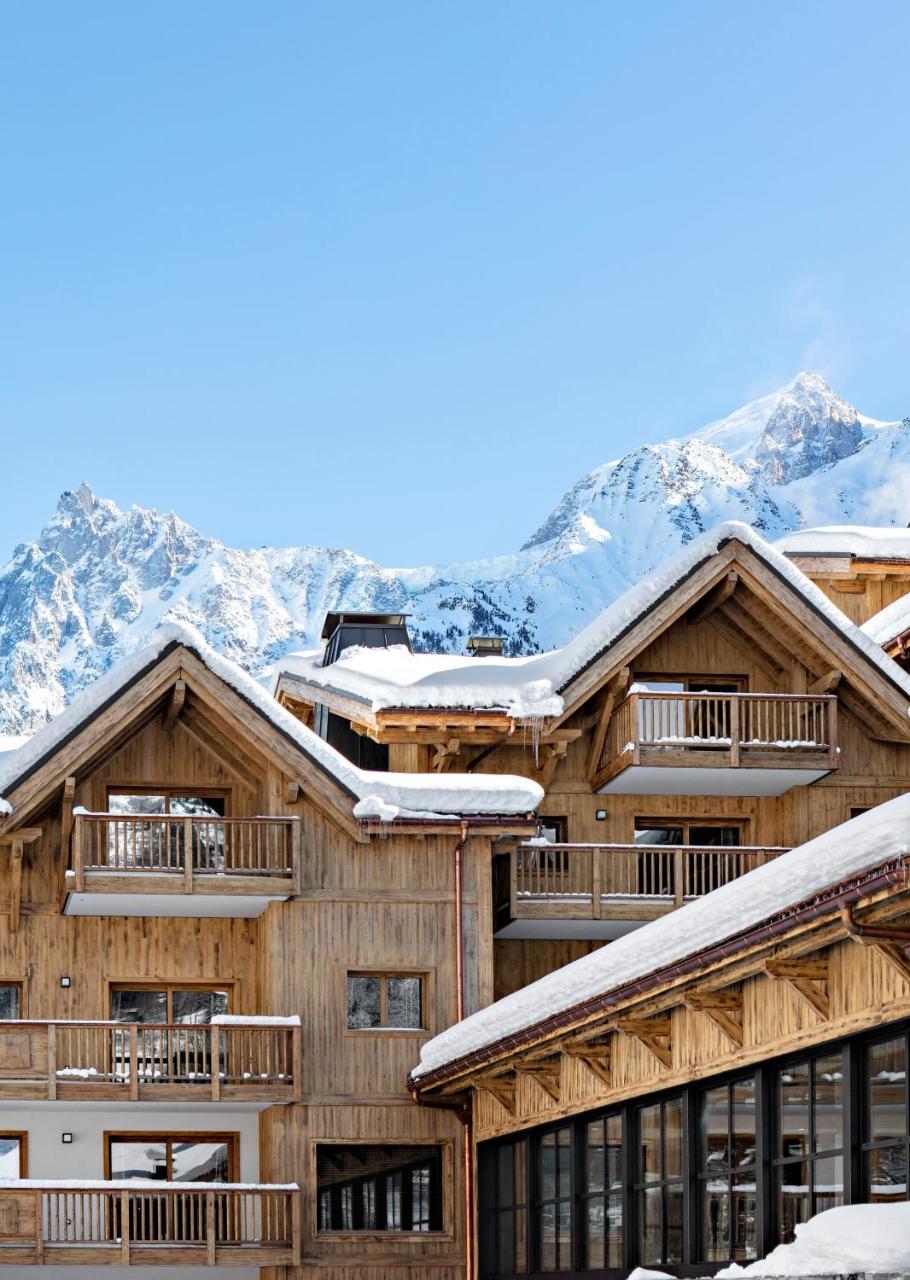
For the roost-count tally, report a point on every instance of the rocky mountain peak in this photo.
(810, 427)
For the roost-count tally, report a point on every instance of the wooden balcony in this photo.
(132, 1062)
(745, 744)
(162, 865)
(140, 1223)
(604, 890)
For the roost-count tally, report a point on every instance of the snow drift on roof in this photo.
(869, 542)
(533, 686)
(445, 795)
(890, 622)
(847, 850)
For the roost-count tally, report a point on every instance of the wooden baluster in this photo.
(78, 866)
(733, 713)
(679, 872)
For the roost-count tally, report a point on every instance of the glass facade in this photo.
(720, 1171)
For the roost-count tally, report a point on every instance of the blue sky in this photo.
(392, 276)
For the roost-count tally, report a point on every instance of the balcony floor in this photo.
(193, 905)
(701, 780)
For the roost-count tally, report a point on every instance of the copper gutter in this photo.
(876, 932)
(848, 893)
(465, 1112)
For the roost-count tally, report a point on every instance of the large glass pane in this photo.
(886, 1172)
(715, 1131)
(673, 1138)
(197, 806)
(409, 1176)
(200, 1161)
(673, 1209)
(199, 1007)
(614, 1249)
(404, 1003)
(659, 835)
(794, 1110)
(649, 1151)
(595, 1157)
(547, 1240)
(828, 1182)
(564, 1223)
(595, 1233)
(743, 1153)
(716, 1202)
(728, 837)
(9, 1002)
(364, 1007)
(650, 1243)
(828, 1087)
(139, 1159)
(548, 1166)
(615, 1179)
(886, 1072)
(136, 804)
(564, 1143)
(10, 1158)
(743, 1218)
(792, 1197)
(139, 1006)
(134, 843)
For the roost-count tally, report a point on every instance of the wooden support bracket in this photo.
(175, 705)
(15, 885)
(714, 599)
(723, 1008)
(502, 1088)
(891, 941)
(826, 683)
(654, 1034)
(597, 1057)
(552, 754)
(446, 755)
(808, 977)
(293, 793)
(615, 690)
(546, 1072)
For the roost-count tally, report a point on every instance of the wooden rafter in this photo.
(714, 599)
(552, 754)
(293, 793)
(753, 626)
(597, 1057)
(15, 884)
(174, 706)
(744, 641)
(808, 977)
(615, 689)
(723, 1008)
(827, 682)
(654, 1034)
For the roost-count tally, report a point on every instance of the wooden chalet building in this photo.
(233, 919)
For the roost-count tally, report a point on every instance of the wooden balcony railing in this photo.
(619, 881)
(739, 730)
(157, 853)
(144, 1222)
(93, 1061)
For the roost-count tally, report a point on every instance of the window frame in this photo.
(168, 791)
(701, 678)
(22, 1137)
(384, 975)
(867, 1144)
(21, 986)
(168, 986)
(447, 1178)
(168, 1137)
(810, 1157)
(687, 822)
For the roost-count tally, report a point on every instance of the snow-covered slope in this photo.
(99, 580)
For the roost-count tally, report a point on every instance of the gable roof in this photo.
(540, 686)
(372, 794)
(891, 623)
(790, 880)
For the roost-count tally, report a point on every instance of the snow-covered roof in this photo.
(534, 686)
(384, 795)
(865, 542)
(848, 850)
(890, 622)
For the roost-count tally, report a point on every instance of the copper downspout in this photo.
(465, 1112)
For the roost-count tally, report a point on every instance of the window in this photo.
(809, 1172)
(196, 1157)
(556, 830)
(10, 1000)
(379, 1188)
(659, 1181)
(701, 833)
(13, 1155)
(173, 1003)
(159, 845)
(508, 1208)
(886, 1121)
(727, 1172)
(702, 720)
(553, 1202)
(385, 1002)
(857, 809)
(602, 1200)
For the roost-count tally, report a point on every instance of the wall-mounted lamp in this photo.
(66, 1138)
(601, 815)
(66, 982)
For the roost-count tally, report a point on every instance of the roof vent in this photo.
(370, 630)
(485, 646)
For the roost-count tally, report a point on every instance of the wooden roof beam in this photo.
(174, 706)
(827, 682)
(723, 1008)
(597, 1057)
(545, 1072)
(714, 599)
(501, 1088)
(615, 690)
(737, 638)
(654, 1034)
(808, 977)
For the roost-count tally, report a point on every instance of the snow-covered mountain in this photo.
(99, 579)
